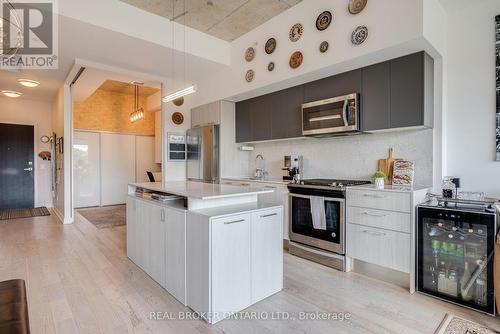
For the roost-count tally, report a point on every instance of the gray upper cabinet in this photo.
(338, 85)
(261, 118)
(375, 99)
(394, 94)
(287, 113)
(407, 93)
(243, 122)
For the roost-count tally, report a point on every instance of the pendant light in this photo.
(14, 24)
(138, 113)
(191, 88)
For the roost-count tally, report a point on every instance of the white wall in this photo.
(350, 157)
(395, 29)
(58, 127)
(470, 116)
(23, 111)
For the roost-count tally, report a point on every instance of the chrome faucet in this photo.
(260, 172)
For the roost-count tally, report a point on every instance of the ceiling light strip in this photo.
(180, 93)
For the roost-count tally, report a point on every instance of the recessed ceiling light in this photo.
(28, 83)
(11, 93)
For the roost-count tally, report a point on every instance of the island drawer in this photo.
(384, 200)
(390, 220)
(385, 248)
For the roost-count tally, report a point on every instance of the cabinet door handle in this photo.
(162, 215)
(269, 215)
(374, 196)
(234, 222)
(380, 234)
(373, 214)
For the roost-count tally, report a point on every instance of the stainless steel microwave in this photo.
(335, 116)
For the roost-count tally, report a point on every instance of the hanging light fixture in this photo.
(138, 113)
(192, 88)
(15, 26)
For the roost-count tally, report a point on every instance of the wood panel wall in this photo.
(110, 111)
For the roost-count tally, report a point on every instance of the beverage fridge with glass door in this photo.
(455, 253)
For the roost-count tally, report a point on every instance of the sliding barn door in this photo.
(86, 168)
(117, 167)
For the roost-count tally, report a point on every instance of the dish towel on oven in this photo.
(318, 212)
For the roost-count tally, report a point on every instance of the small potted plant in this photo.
(379, 178)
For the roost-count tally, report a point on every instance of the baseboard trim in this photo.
(62, 219)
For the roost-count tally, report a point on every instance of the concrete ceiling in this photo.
(106, 47)
(224, 19)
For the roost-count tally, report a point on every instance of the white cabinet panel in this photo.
(390, 220)
(157, 243)
(86, 168)
(383, 200)
(267, 253)
(145, 157)
(142, 224)
(175, 280)
(381, 247)
(231, 265)
(117, 167)
(131, 229)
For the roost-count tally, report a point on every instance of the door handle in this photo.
(29, 169)
(162, 215)
(380, 234)
(234, 222)
(374, 196)
(269, 215)
(373, 214)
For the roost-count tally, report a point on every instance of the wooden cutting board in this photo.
(387, 165)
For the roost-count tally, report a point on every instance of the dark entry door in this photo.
(16, 166)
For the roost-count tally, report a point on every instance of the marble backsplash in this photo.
(351, 157)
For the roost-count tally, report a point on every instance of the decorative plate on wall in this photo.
(356, 6)
(177, 118)
(250, 54)
(323, 47)
(296, 59)
(323, 21)
(270, 66)
(270, 45)
(359, 35)
(178, 102)
(296, 32)
(250, 75)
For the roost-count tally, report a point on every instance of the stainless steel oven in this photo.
(335, 116)
(318, 221)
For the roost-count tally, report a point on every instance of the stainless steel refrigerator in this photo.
(203, 154)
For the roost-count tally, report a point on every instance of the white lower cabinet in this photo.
(234, 262)
(267, 254)
(131, 229)
(156, 243)
(385, 248)
(231, 265)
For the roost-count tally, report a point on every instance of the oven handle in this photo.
(331, 199)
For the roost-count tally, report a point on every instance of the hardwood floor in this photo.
(79, 280)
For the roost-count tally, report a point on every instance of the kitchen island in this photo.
(214, 247)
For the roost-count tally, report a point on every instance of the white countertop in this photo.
(393, 188)
(200, 190)
(230, 210)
